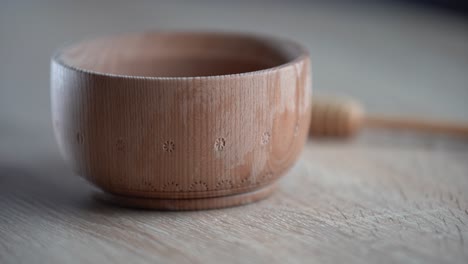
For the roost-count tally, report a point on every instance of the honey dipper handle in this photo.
(417, 124)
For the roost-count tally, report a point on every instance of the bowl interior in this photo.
(179, 54)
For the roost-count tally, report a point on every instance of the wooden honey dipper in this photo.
(343, 117)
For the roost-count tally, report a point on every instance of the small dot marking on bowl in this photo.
(265, 138)
(198, 186)
(296, 130)
(220, 144)
(224, 185)
(169, 146)
(120, 145)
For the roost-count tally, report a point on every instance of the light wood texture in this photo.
(382, 197)
(344, 117)
(203, 116)
(418, 124)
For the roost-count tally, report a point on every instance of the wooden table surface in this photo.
(382, 197)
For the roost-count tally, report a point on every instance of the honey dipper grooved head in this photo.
(335, 117)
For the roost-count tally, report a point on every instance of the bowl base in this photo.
(188, 204)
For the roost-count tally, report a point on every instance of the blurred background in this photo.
(397, 57)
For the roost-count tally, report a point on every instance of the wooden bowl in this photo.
(182, 120)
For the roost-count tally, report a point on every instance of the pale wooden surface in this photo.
(212, 141)
(384, 197)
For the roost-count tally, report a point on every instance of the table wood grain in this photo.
(385, 196)
(373, 199)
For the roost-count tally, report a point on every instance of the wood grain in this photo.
(402, 196)
(387, 201)
(334, 116)
(182, 115)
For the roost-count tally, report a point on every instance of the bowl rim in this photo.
(303, 55)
